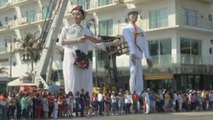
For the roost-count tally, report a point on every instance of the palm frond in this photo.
(18, 50)
(3, 70)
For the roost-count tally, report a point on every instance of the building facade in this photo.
(179, 33)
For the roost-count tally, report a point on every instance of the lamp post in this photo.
(9, 39)
(89, 23)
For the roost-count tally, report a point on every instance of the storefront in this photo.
(3, 84)
(183, 77)
(159, 81)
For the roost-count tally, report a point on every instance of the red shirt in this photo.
(135, 98)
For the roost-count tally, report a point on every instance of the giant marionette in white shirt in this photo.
(138, 46)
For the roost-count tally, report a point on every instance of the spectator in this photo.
(128, 102)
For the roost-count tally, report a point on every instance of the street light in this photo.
(89, 23)
(8, 38)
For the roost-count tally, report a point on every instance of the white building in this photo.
(180, 35)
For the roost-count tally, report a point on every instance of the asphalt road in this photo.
(155, 116)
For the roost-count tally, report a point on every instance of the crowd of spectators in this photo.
(41, 104)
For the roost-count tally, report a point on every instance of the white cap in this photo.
(132, 8)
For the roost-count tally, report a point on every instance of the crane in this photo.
(48, 37)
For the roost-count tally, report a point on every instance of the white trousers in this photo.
(55, 113)
(147, 107)
(136, 79)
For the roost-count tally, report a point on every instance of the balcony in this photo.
(190, 59)
(22, 2)
(104, 5)
(205, 1)
(5, 28)
(162, 60)
(20, 22)
(3, 3)
(195, 22)
(168, 60)
(6, 6)
(135, 1)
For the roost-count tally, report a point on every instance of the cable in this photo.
(49, 17)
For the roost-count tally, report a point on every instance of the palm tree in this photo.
(3, 70)
(28, 47)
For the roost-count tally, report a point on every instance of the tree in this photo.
(28, 47)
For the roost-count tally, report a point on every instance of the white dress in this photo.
(76, 78)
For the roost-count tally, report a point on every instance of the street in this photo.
(156, 116)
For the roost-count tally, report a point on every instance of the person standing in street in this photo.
(138, 46)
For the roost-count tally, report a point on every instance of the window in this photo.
(100, 59)
(190, 46)
(3, 2)
(104, 2)
(46, 10)
(160, 50)
(190, 82)
(160, 47)
(3, 87)
(158, 18)
(153, 46)
(1, 26)
(84, 3)
(190, 50)
(106, 27)
(2, 45)
(30, 15)
(191, 17)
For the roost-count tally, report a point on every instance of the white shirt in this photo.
(100, 97)
(113, 98)
(129, 37)
(128, 99)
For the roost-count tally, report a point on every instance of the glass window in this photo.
(165, 47)
(196, 47)
(100, 59)
(190, 82)
(45, 11)
(160, 47)
(3, 87)
(3, 2)
(1, 25)
(100, 55)
(185, 46)
(158, 18)
(84, 3)
(190, 50)
(191, 17)
(190, 46)
(2, 45)
(104, 2)
(106, 27)
(153, 46)
(160, 51)
(30, 15)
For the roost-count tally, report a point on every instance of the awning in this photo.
(18, 82)
(158, 76)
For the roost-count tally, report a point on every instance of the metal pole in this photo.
(9, 39)
(11, 59)
(92, 20)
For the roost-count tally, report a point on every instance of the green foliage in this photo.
(3, 70)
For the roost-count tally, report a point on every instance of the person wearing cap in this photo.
(138, 46)
(76, 39)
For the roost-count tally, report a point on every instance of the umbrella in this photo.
(53, 89)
